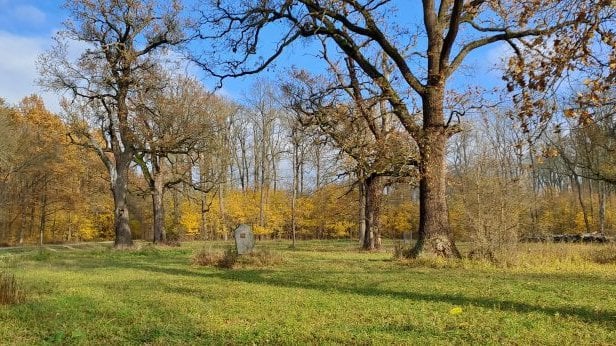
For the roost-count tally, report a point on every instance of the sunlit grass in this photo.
(323, 292)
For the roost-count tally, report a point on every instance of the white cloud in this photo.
(29, 14)
(18, 72)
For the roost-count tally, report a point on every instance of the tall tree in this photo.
(425, 52)
(364, 130)
(175, 116)
(122, 39)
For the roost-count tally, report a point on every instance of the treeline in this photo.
(500, 188)
(49, 190)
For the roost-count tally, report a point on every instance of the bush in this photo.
(206, 258)
(212, 258)
(401, 251)
(230, 259)
(262, 258)
(10, 292)
(603, 255)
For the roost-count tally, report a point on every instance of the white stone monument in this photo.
(244, 239)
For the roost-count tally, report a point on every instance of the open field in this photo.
(324, 292)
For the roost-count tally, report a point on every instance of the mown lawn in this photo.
(324, 293)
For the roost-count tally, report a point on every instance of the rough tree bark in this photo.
(374, 195)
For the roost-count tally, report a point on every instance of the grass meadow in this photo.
(322, 292)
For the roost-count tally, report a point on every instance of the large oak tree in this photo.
(426, 42)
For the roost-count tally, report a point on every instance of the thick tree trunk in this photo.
(435, 236)
(374, 194)
(119, 187)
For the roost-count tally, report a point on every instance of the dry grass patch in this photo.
(10, 292)
(603, 255)
(229, 258)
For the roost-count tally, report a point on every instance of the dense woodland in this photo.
(368, 148)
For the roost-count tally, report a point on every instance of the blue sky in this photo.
(26, 28)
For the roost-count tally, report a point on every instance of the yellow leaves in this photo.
(400, 218)
(340, 228)
(190, 218)
(86, 231)
(260, 230)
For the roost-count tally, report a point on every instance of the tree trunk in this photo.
(202, 226)
(43, 218)
(362, 212)
(601, 208)
(22, 223)
(294, 196)
(119, 187)
(435, 236)
(221, 212)
(160, 236)
(578, 185)
(374, 194)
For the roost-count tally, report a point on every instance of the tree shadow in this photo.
(607, 317)
(292, 280)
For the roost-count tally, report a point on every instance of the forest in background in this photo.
(374, 145)
(500, 190)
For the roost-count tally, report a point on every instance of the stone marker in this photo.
(244, 239)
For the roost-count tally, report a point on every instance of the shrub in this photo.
(401, 251)
(262, 258)
(208, 257)
(603, 255)
(10, 292)
(230, 259)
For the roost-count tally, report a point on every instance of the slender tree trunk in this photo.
(578, 187)
(43, 218)
(22, 223)
(294, 196)
(204, 211)
(590, 198)
(362, 211)
(601, 208)
(157, 190)
(31, 222)
(222, 212)
(435, 236)
(119, 187)
(176, 211)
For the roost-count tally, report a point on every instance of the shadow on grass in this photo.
(294, 281)
(174, 265)
(583, 314)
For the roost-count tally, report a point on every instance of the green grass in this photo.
(323, 293)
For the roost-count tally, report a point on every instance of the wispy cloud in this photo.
(29, 14)
(18, 68)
